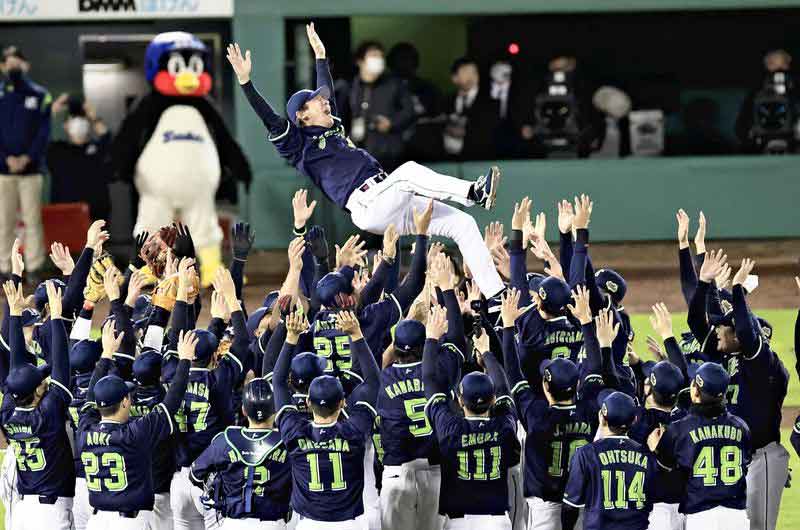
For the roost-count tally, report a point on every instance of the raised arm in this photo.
(415, 280)
(435, 328)
(745, 323)
(372, 291)
(73, 295)
(323, 69)
(187, 342)
(368, 390)
(242, 238)
(797, 335)
(224, 285)
(296, 324)
(509, 312)
(697, 318)
(565, 216)
(661, 322)
(16, 342)
(59, 352)
(516, 251)
(688, 273)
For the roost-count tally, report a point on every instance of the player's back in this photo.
(554, 434)
(143, 401)
(476, 453)
(612, 479)
(330, 342)
(541, 339)
(405, 432)
(713, 452)
(327, 462)
(205, 411)
(39, 439)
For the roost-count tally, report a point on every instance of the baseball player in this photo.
(795, 437)
(758, 385)
(327, 452)
(144, 399)
(32, 416)
(613, 477)
(253, 477)
(560, 422)
(478, 448)
(207, 407)
(116, 450)
(712, 447)
(313, 140)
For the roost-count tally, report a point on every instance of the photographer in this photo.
(768, 116)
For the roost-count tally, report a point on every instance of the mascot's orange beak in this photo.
(186, 82)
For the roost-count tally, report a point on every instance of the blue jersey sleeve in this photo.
(291, 423)
(665, 451)
(153, 427)
(579, 473)
(446, 424)
(210, 460)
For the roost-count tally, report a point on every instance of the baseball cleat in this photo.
(485, 188)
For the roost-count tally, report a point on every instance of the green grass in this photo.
(782, 343)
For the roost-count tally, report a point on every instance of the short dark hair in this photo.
(562, 394)
(13, 51)
(462, 61)
(706, 399)
(109, 410)
(664, 400)
(303, 389)
(617, 431)
(323, 410)
(25, 401)
(366, 46)
(415, 354)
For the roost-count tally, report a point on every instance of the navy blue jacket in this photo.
(24, 122)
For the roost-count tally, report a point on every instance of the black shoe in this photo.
(484, 189)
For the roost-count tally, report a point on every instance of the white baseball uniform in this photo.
(479, 522)
(719, 518)
(410, 496)
(30, 514)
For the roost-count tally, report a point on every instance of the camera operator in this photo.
(768, 116)
(378, 106)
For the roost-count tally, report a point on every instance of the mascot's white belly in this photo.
(180, 160)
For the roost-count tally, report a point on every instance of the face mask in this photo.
(501, 72)
(78, 128)
(14, 74)
(374, 65)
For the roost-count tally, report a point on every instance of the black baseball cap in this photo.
(619, 410)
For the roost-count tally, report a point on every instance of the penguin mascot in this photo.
(177, 151)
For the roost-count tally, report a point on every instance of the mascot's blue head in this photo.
(175, 63)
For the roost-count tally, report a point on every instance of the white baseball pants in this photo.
(479, 522)
(81, 511)
(666, 517)
(766, 478)
(410, 496)
(162, 512)
(187, 511)
(411, 186)
(30, 514)
(546, 515)
(719, 518)
(23, 192)
(370, 498)
(114, 521)
(9, 494)
(518, 508)
(359, 523)
(251, 524)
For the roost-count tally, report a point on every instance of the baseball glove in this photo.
(154, 251)
(94, 290)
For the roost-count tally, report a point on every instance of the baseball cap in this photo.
(666, 379)
(618, 409)
(255, 319)
(326, 391)
(647, 368)
(611, 282)
(84, 355)
(147, 367)
(477, 389)
(408, 335)
(306, 367)
(40, 293)
(722, 320)
(299, 98)
(30, 317)
(23, 380)
(110, 390)
(207, 344)
(560, 374)
(330, 285)
(554, 294)
(270, 300)
(712, 379)
(534, 280)
(141, 310)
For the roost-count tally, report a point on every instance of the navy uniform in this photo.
(148, 394)
(245, 469)
(411, 474)
(207, 409)
(117, 457)
(476, 451)
(37, 433)
(327, 460)
(712, 448)
(612, 478)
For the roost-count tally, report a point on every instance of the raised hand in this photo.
(53, 299)
(437, 323)
(96, 236)
(540, 228)
(502, 261)
(509, 308)
(481, 344)
(111, 281)
(187, 343)
(522, 212)
(434, 249)
(661, 321)
(723, 279)
(390, 237)
(583, 212)
(136, 259)
(422, 221)
(17, 264)
(110, 340)
(185, 277)
(183, 245)
(242, 238)
(61, 258)
(242, 65)
(712, 265)
(223, 284)
(14, 297)
(654, 347)
(315, 239)
(606, 328)
(219, 309)
(581, 309)
(301, 209)
(493, 235)
(700, 236)
(136, 285)
(360, 280)
(440, 272)
(683, 228)
(351, 253)
(315, 41)
(348, 322)
(565, 216)
(296, 324)
(744, 271)
(296, 248)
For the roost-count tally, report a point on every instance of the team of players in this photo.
(355, 400)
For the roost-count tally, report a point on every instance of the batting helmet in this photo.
(257, 400)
